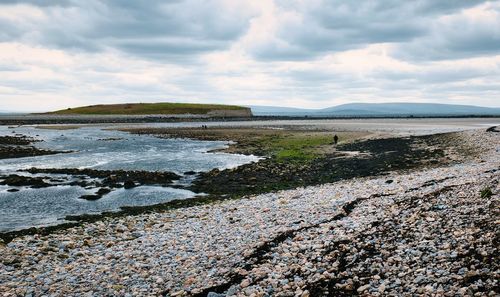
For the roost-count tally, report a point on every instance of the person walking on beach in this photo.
(335, 139)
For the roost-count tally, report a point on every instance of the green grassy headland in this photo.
(147, 109)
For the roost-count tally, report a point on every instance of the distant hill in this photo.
(380, 110)
(417, 109)
(157, 109)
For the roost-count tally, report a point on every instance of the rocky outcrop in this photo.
(105, 181)
(18, 146)
(15, 180)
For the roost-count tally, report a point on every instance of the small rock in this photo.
(363, 288)
(129, 184)
(245, 283)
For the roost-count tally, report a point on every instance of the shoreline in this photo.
(304, 164)
(259, 177)
(356, 236)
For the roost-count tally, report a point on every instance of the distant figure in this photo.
(335, 139)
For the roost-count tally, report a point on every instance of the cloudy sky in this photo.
(299, 53)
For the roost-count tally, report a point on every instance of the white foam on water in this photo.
(131, 152)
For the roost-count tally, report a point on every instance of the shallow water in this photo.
(93, 147)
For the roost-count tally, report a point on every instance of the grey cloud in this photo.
(9, 31)
(334, 26)
(46, 3)
(46, 85)
(194, 19)
(311, 76)
(467, 89)
(281, 52)
(442, 7)
(183, 27)
(172, 46)
(453, 41)
(437, 75)
(319, 77)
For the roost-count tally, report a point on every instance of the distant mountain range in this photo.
(379, 110)
(354, 110)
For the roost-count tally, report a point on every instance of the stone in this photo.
(245, 283)
(128, 184)
(363, 288)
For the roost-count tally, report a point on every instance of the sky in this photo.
(295, 53)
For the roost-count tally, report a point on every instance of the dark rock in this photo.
(98, 195)
(18, 147)
(129, 184)
(112, 178)
(103, 191)
(91, 197)
(15, 180)
(492, 129)
(57, 180)
(8, 152)
(82, 184)
(389, 181)
(13, 190)
(137, 234)
(17, 140)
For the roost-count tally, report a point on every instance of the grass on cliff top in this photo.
(146, 108)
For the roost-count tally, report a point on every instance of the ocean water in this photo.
(97, 148)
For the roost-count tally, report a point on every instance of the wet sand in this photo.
(394, 126)
(388, 126)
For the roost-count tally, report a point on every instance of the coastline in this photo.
(306, 157)
(368, 153)
(307, 241)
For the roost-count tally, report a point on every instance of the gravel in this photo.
(426, 232)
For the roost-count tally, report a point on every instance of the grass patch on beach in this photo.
(146, 109)
(282, 145)
(301, 147)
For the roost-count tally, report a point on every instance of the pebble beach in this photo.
(425, 232)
